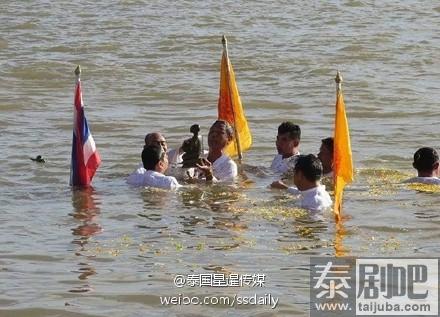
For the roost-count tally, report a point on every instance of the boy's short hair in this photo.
(425, 159)
(310, 166)
(292, 129)
(328, 142)
(151, 155)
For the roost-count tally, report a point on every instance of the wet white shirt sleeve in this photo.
(293, 190)
(224, 169)
(152, 179)
(136, 178)
(174, 157)
(280, 165)
(315, 199)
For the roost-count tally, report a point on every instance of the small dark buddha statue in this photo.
(192, 148)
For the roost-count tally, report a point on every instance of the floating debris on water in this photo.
(424, 188)
(383, 182)
(295, 248)
(391, 244)
(38, 159)
(178, 246)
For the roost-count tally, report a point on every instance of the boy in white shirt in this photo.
(426, 162)
(155, 161)
(287, 144)
(307, 177)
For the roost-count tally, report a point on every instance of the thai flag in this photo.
(85, 157)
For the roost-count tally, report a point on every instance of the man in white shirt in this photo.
(155, 161)
(218, 166)
(287, 144)
(426, 162)
(174, 156)
(325, 155)
(155, 138)
(307, 179)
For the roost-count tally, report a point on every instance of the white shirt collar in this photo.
(220, 161)
(312, 191)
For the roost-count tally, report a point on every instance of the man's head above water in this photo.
(156, 138)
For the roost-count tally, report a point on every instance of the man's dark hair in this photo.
(147, 138)
(151, 155)
(310, 166)
(425, 159)
(293, 129)
(328, 142)
(228, 128)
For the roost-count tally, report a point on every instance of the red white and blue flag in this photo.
(85, 157)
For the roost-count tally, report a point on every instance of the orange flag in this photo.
(230, 108)
(342, 157)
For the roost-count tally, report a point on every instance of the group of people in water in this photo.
(214, 166)
(162, 167)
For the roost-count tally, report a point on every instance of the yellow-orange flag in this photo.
(342, 157)
(230, 108)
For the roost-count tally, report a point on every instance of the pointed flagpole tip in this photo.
(225, 43)
(338, 78)
(78, 70)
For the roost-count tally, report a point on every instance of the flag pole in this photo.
(77, 72)
(237, 137)
(339, 230)
(338, 80)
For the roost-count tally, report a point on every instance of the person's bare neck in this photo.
(214, 154)
(309, 185)
(159, 170)
(294, 151)
(426, 174)
(326, 169)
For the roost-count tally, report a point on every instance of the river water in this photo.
(151, 65)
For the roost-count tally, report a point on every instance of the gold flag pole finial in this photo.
(338, 80)
(77, 72)
(225, 47)
(224, 41)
